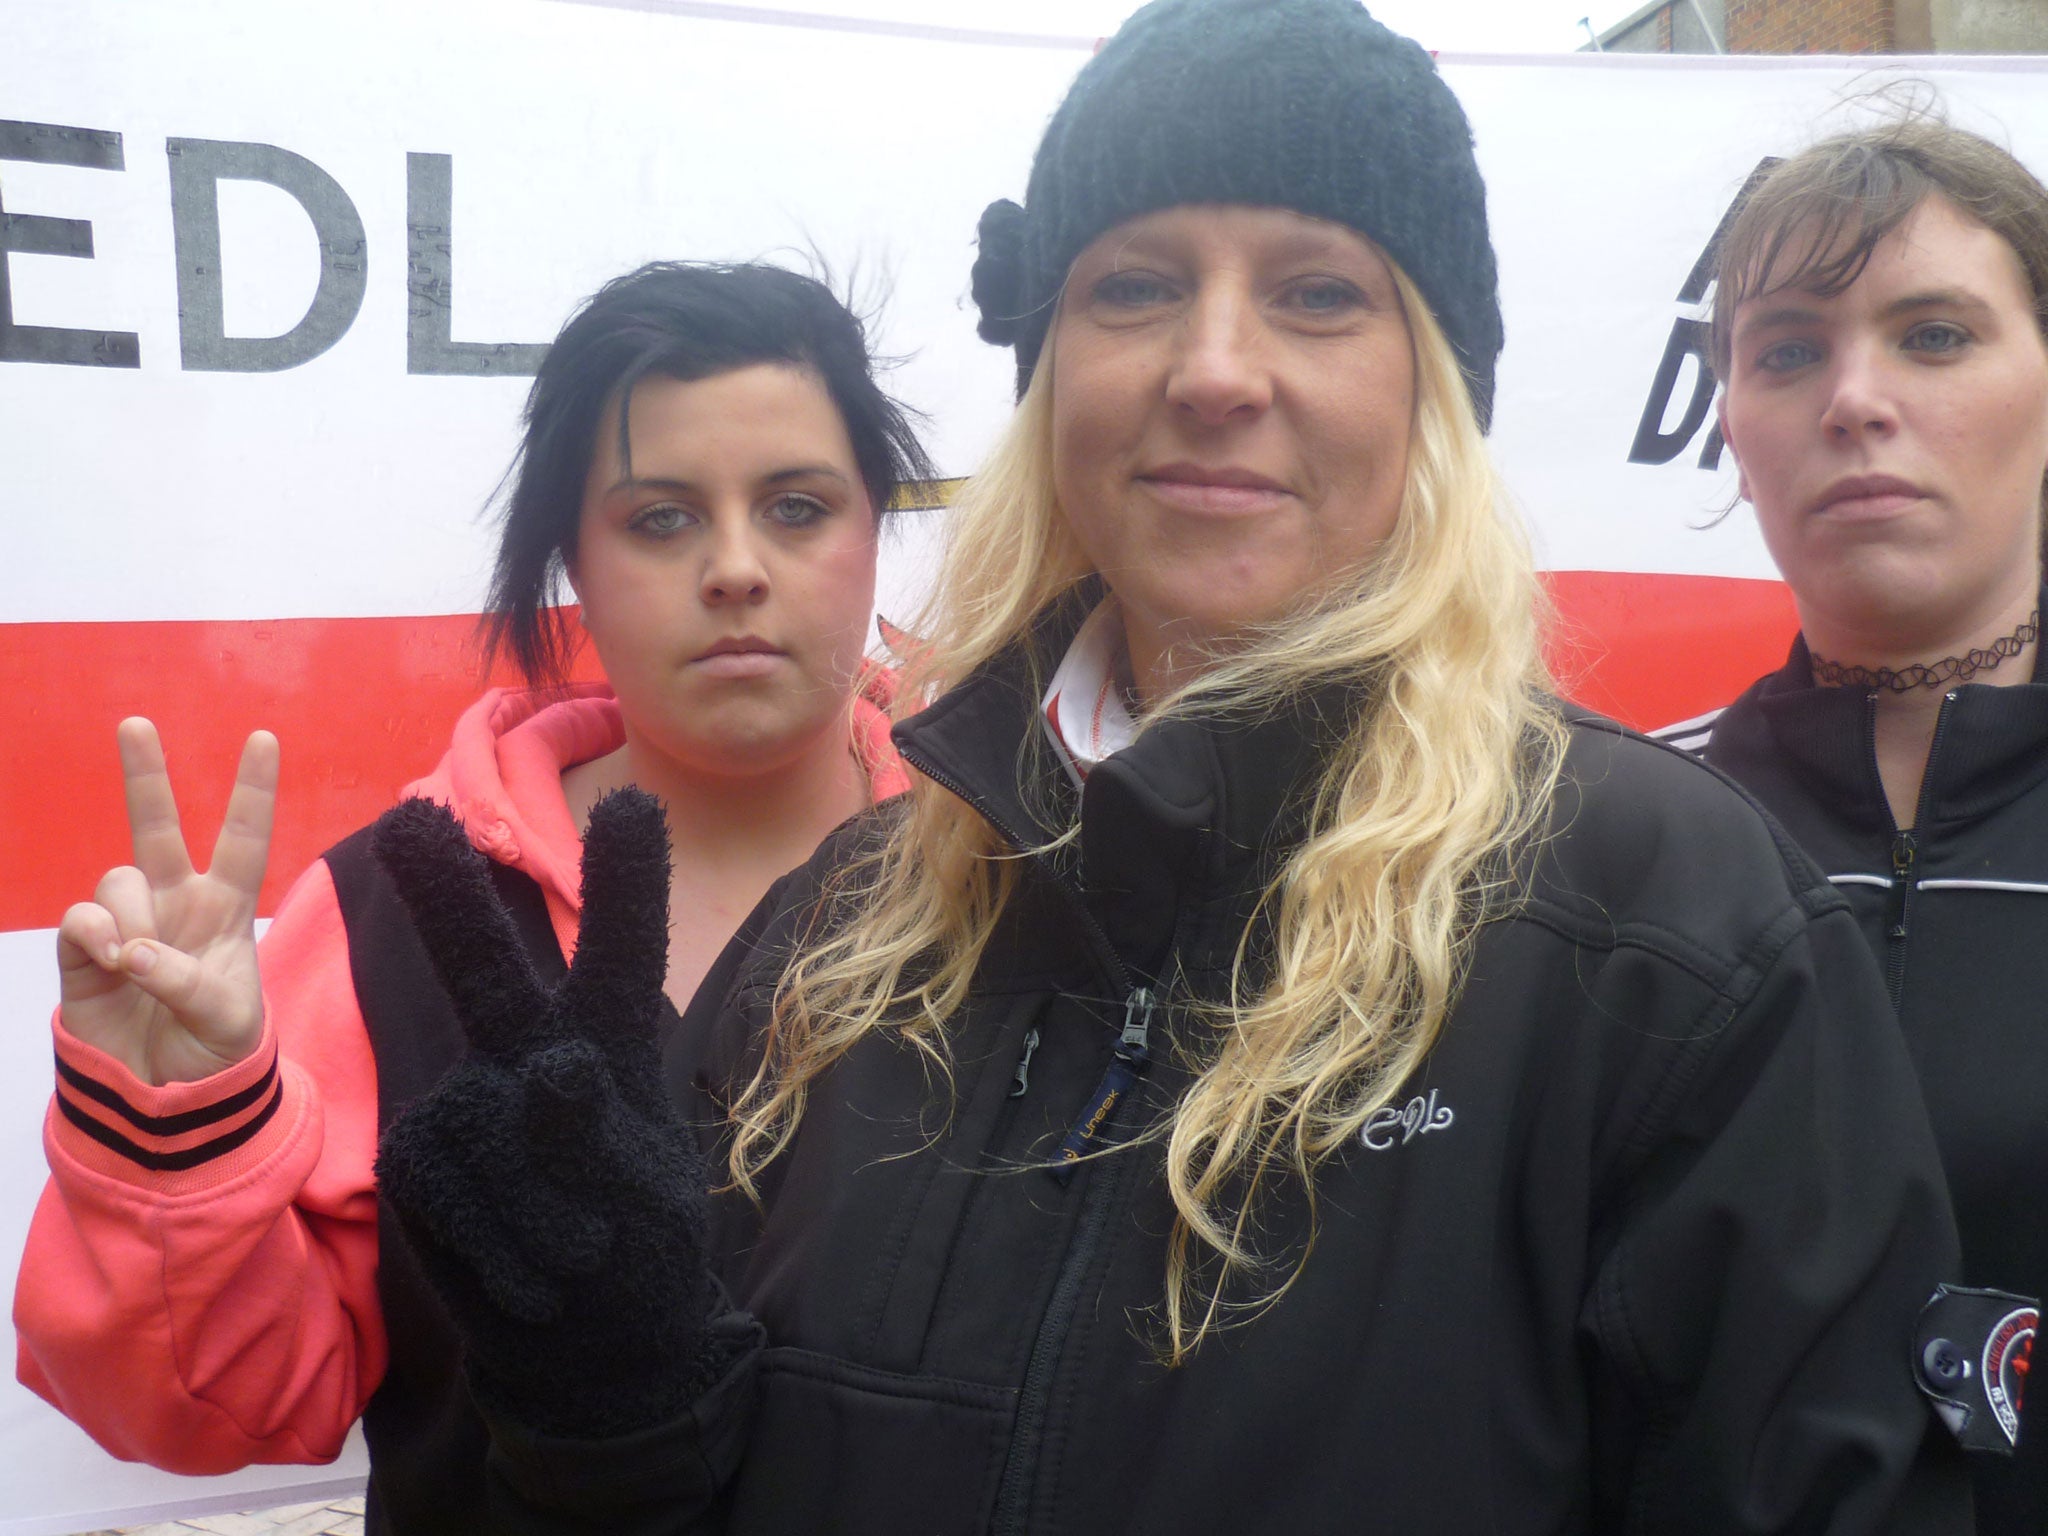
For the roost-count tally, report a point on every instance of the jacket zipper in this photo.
(1905, 858)
(1027, 1435)
(1133, 1051)
(1133, 1055)
(1903, 853)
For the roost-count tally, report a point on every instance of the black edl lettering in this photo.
(1654, 445)
(430, 284)
(1690, 338)
(198, 166)
(31, 234)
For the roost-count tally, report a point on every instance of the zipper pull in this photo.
(1021, 1078)
(1134, 1046)
(1133, 1056)
(1903, 854)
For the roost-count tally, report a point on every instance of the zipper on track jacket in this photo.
(1905, 856)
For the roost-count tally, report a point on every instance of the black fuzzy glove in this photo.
(555, 1199)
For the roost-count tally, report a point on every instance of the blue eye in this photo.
(1937, 336)
(1785, 356)
(660, 520)
(794, 511)
(1132, 290)
(1325, 296)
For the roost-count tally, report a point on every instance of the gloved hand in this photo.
(552, 1194)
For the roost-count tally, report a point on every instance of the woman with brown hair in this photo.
(1881, 334)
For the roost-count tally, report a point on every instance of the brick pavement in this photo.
(341, 1517)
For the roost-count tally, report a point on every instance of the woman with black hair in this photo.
(705, 462)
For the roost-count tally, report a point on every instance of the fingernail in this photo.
(142, 960)
(110, 957)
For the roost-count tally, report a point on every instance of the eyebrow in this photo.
(1928, 298)
(1936, 298)
(1301, 244)
(1289, 246)
(1783, 314)
(690, 487)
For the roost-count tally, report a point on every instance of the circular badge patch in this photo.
(2007, 1350)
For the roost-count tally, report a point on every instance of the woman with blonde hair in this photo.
(1881, 334)
(1275, 1069)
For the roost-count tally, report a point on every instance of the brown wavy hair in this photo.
(1814, 219)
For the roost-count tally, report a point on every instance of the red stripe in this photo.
(363, 705)
(1653, 649)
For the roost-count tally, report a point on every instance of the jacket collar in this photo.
(1993, 744)
(1178, 832)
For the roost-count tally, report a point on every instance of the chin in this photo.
(1914, 605)
(1199, 614)
(1871, 577)
(746, 745)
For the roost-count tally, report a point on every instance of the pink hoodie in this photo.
(199, 1289)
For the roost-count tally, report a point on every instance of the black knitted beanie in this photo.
(1303, 104)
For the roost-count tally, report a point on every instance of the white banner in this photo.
(271, 277)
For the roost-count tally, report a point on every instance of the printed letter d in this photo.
(198, 166)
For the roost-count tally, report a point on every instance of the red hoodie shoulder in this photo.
(873, 714)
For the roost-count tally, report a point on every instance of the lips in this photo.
(1867, 496)
(737, 656)
(1222, 474)
(1214, 488)
(738, 645)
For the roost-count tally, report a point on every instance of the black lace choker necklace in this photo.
(1929, 674)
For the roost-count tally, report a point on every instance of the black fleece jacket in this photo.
(1956, 908)
(1640, 1249)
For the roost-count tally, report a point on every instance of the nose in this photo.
(1861, 403)
(1219, 371)
(733, 570)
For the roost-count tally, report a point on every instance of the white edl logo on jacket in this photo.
(1392, 1127)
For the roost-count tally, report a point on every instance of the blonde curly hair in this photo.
(1413, 828)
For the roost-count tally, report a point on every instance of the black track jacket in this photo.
(1639, 1250)
(1957, 910)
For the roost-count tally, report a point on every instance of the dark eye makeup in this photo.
(793, 510)
(661, 519)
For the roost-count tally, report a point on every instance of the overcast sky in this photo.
(1449, 26)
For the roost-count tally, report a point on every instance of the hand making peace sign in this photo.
(551, 1192)
(159, 968)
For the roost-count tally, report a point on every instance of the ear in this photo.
(1728, 437)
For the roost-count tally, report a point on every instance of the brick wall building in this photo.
(1831, 26)
(1812, 26)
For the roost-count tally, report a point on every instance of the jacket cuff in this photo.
(173, 1138)
(667, 1477)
